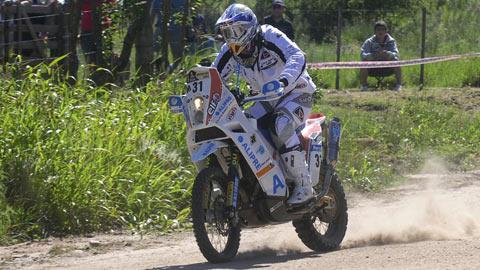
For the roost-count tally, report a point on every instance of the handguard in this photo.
(270, 91)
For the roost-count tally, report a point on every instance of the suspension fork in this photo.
(233, 183)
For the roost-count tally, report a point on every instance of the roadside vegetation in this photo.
(79, 158)
(76, 159)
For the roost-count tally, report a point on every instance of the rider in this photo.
(264, 56)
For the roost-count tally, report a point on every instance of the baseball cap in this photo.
(278, 2)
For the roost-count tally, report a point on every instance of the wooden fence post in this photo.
(339, 44)
(424, 33)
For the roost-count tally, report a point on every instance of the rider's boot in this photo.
(297, 171)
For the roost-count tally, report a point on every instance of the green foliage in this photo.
(79, 159)
(386, 135)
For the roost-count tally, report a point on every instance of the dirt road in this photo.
(432, 222)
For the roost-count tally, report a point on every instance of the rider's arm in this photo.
(392, 49)
(367, 53)
(290, 53)
(224, 62)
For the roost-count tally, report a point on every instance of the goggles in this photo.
(236, 36)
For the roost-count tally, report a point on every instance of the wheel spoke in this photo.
(214, 229)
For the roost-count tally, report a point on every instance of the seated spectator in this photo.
(380, 47)
(277, 19)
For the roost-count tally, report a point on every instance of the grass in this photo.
(76, 159)
(80, 159)
(448, 32)
(388, 134)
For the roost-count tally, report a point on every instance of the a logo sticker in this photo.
(277, 183)
(265, 55)
(192, 76)
(299, 113)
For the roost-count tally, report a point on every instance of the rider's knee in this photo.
(282, 128)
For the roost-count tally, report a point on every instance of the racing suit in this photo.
(281, 59)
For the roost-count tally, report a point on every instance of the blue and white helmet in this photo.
(238, 26)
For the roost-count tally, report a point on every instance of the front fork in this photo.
(232, 186)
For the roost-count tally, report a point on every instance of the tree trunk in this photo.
(165, 22)
(144, 46)
(97, 32)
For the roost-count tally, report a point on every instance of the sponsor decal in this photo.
(253, 139)
(251, 156)
(215, 94)
(223, 107)
(277, 183)
(265, 55)
(316, 147)
(250, 153)
(208, 149)
(304, 99)
(268, 63)
(213, 104)
(260, 150)
(231, 113)
(174, 101)
(265, 170)
(292, 49)
(299, 113)
(192, 76)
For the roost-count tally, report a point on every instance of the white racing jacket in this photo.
(278, 58)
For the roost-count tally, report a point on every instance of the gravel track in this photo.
(431, 222)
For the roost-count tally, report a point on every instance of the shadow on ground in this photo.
(258, 258)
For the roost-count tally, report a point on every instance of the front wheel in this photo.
(217, 237)
(324, 231)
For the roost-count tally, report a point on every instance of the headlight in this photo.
(198, 106)
(198, 103)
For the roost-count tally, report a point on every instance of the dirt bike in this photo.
(241, 181)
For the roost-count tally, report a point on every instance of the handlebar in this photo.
(264, 97)
(242, 100)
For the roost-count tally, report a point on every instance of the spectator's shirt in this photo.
(86, 23)
(283, 25)
(278, 57)
(372, 46)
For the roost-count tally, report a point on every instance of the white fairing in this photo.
(220, 110)
(213, 116)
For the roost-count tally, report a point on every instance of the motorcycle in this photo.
(241, 181)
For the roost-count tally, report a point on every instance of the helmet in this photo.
(238, 26)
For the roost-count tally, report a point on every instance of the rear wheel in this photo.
(217, 237)
(324, 231)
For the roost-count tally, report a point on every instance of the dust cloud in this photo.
(280, 241)
(435, 205)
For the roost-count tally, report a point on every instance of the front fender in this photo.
(206, 149)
